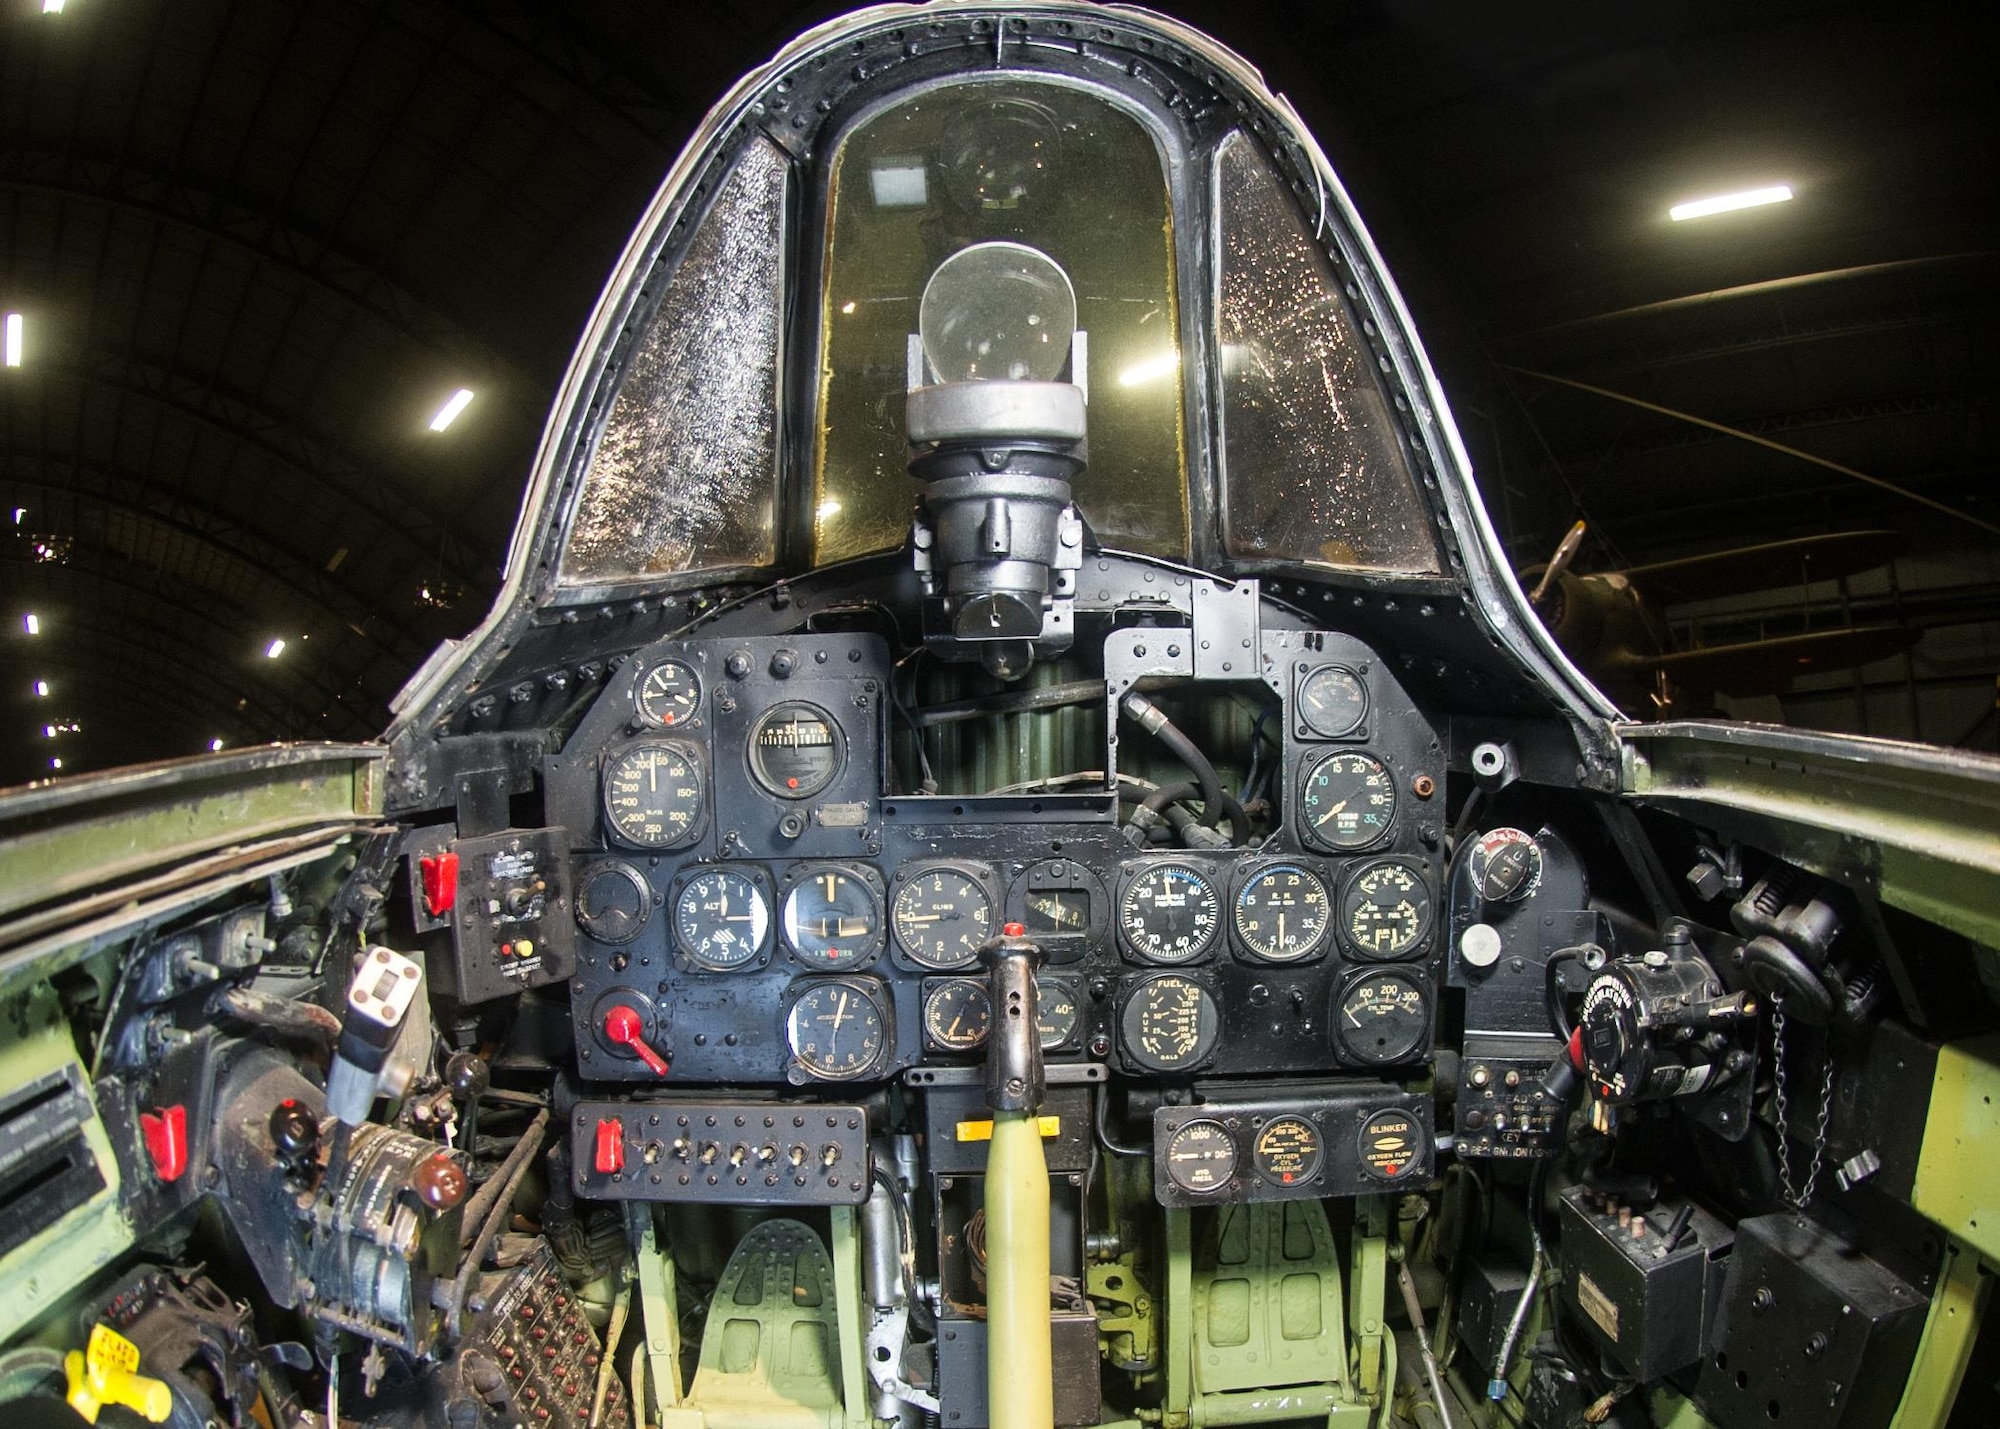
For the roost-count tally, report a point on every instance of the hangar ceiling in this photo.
(255, 246)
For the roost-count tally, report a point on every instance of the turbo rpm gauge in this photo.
(1383, 1018)
(1170, 1023)
(669, 695)
(653, 794)
(796, 750)
(941, 917)
(837, 1030)
(1201, 1157)
(832, 918)
(1332, 701)
(1288, 1151)
(1385, 910)
(1282, 913)
(1169, 913)
(1347, 801)
(958, 1013)
(722, 920)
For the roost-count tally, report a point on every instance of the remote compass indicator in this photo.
(1282, 913)
(837, 1029)
(1385, 910)
(722, 920)
(1332, 701)
(1201, 1157)
(796, 750)
(1347, 801)
(653, 794)
(1288, 1151)
(668, 695)
(1170, 1023)
(1170, 913)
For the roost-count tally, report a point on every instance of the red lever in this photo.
(166, 1135)
(624, 1029)
(610, 1147)
(440, 875)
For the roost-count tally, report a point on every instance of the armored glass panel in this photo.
(685, 475)
(1049, 165)
(1313, 467)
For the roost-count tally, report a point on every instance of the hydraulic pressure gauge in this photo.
(722, 920)
(1347, 801)
(838, 1028)
(1382, 1018)
(832, 917)
(796, 750)
(653, 794)
(1332, 701)
(1201, 1156)
(1288, 1151)
(613, 901)
(669, 695)
(1282, 913)
(958, 1013)
(1169, 1024)
(1385, 909)
(1169, 913)
(1506, 865)
(941, 918)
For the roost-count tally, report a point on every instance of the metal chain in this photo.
(1798, 1201)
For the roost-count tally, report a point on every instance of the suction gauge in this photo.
(796, 750)
(957, 1014)
(668, 695)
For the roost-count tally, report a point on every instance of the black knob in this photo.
(466, 1075)
(738, 664)
(294, 1130)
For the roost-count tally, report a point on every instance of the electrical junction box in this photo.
(1651, 1307)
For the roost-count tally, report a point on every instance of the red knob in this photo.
(624, 1029)
(610, 1157)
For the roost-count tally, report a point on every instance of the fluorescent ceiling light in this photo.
(41, 689)
(214, 745)
(32, 623)
(1726, 203)
(52, 7)
(274, 649)
(448, 413)
(898, 183)
(1161, 366)
(10, 346)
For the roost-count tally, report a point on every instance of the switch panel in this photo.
(1502, 1110)
(511, 927)
(720, 1153)
(1348, 1140)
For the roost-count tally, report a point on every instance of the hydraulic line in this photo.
(1149, 717)
(1496, 1388)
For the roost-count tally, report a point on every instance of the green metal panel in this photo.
(1367, 1286)
(658, 1302)
(850, 1319)
(1267, 1300)
(1955, 1183)
(1946, 1347)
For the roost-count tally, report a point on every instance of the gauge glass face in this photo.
(832, 919)
(836, 1031)
(1347, 801)
(1057, 912)
(1506, 865)
(653, 795)
(1390, 1143)
(613, 901)
(1288, 1151)
(1386, 910)
(1169, 1023)
(1282, 913)
(941, 918)
(1383, 1019)
(1332, 701)
(1201, 1157)
(1055, 1011)
(795, 750)
(958, 1014)
(721, 920)
(668, 695)
(1170, 913)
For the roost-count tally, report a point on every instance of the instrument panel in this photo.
(753, 898)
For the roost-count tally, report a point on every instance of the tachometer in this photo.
(958, 1013)
(1170, 1023)
(1201, 1156)
(722, 920)
(1385, 910)
(1288, 1151)
(1346, 801)
(1382, 1018)
(653, 794)
(1169, 913)
(838, 1029)
(832, 918)
(1282, 913)
(941, 917)
(795, 750)
(669, 695)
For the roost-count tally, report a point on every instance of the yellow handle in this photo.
(1020, 1382)
(108, 1374)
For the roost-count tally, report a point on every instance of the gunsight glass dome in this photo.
(997, 311)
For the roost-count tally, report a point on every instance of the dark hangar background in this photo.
(257, 245)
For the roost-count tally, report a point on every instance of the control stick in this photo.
(1019, 1377)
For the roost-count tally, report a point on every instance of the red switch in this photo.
(166, 1134)
(610, 1146)
(1014, 930)
(440, 875)
(622, 1028)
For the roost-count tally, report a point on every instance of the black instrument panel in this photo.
(757, 908)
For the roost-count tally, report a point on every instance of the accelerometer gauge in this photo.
(1170, 1023)
(1288, 1151)
(613, 901)
(1347, 801)
(1383, 1018)
(1332, 701)
(1055, 1011)
(1282, 913)
(832, 918)
(1385, 910)
(669, 694)
(941, 917)
(958, 1012)
(1201, 1156)
(722, 920)
(1389, 1143)
(653, 794)
(1169, 913)
(795, 750)
(837, 1029)
(1506, 865)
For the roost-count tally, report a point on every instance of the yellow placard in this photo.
(983, 1130)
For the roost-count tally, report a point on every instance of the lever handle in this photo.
(623, 1027)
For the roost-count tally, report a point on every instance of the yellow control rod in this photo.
(1020, 1384)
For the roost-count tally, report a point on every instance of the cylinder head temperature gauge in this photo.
(1382, 1018)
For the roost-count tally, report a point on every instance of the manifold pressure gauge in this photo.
(1201, 1156)
(1169, 913)
(654, 794)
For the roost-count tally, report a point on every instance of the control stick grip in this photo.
(624, 1028)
